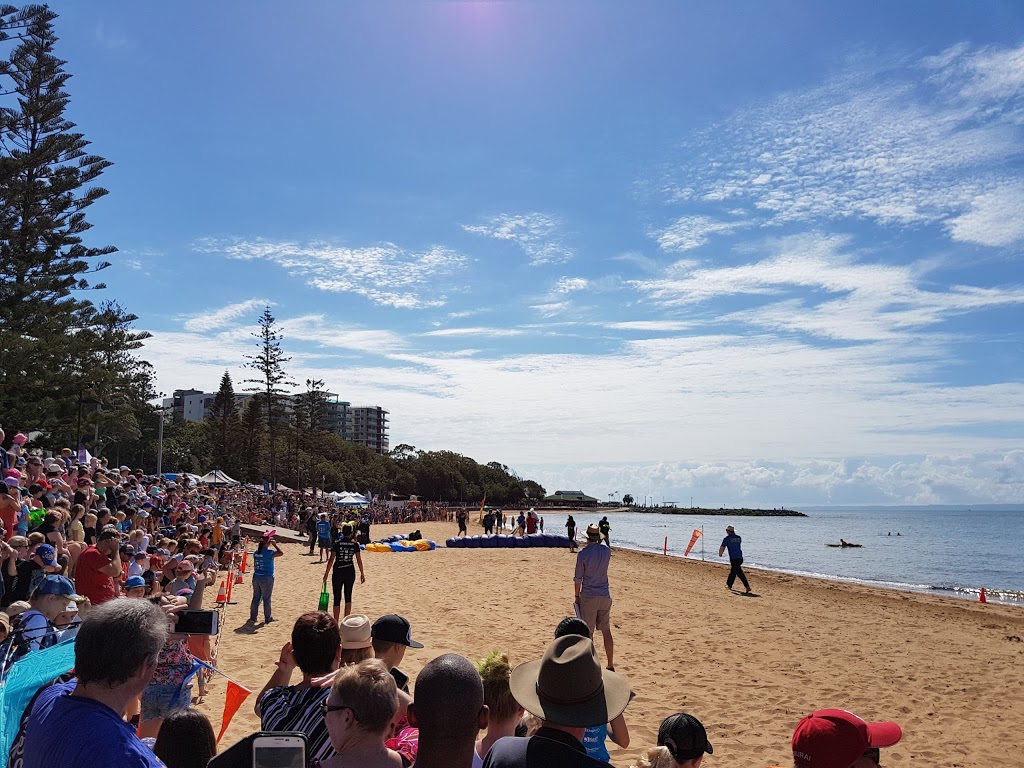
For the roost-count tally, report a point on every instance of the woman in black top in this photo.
(343, 551)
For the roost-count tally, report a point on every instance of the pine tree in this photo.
(44, 176)
(269, 363)
(252, 432)
(224, 426)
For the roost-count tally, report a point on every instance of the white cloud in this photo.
(551, 308)
(538, 234)
(993, 218)
(689, 232)
(665, 326)
(744, 406)
(975, 478)
(570, 284)
(384, 274)
(217, 318)
(875, 142)
(838, 297)
(480, 331)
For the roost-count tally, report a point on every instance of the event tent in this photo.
(350, 500)
(217, 477)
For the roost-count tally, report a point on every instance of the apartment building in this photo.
(364, 425)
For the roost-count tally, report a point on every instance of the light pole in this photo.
(160, 445)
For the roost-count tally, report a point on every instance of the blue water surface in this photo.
(937, 548)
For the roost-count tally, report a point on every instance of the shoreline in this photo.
(996, 596)
(946, 669)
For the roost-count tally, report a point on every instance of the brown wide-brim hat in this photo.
(568, 687)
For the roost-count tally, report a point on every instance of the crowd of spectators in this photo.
(109, 556)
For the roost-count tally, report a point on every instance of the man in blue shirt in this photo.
(263, 577)
(323, 535)
(79, 725)
(732, 543)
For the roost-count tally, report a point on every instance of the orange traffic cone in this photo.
(222, 595)
(245, 557)
(981, 597)
(238, 577)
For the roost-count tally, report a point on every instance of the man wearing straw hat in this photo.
(569, 692)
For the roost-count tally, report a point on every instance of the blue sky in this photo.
(752, 253)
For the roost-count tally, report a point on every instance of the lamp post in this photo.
(160, 438)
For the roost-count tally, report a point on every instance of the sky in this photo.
(746, 253)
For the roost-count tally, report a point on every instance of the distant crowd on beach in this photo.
(112, 558)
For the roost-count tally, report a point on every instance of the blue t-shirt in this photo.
(593, 740)
(263, 562)
(732, 543)
(323, 529)
(67, 730)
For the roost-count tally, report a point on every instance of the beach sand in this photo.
(949, 671)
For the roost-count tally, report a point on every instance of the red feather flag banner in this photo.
(693, 540)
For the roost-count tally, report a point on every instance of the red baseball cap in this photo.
(835, 738)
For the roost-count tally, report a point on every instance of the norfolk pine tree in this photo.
(269, 364)
(44, 176)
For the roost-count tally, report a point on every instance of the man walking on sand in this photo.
(593, 597)
(732, 543)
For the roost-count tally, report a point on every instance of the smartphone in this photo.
(197, 622)
(276, 750)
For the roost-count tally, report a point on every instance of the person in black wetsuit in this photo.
(344, 557)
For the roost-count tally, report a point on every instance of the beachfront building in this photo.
(370, 428)
(363, 425)
(570, 499)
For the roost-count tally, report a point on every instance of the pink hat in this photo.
(19, 439)
(835, 738)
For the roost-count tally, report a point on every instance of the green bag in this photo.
(324, 598)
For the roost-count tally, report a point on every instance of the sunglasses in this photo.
(325, 708)
(875, 755)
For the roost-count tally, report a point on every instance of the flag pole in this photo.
(702, 542)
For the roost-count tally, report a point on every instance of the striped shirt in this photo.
(298, 709)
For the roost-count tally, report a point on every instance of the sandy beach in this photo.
(949, 671)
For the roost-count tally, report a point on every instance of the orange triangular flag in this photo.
(233, 699)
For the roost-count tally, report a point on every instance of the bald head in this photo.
(448, 700)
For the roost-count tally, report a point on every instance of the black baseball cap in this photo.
(393, 628)
(684, 736)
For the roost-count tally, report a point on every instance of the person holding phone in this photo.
(263, 577)
(115, 655)
(343, 552)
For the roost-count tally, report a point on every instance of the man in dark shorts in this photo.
(460, 517)
(343, 552)
(732, 543)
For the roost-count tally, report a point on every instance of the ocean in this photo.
(951, 550)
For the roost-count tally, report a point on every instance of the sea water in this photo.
(948, 549)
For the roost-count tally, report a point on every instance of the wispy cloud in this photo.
(385, 274)
(898, 142)
(218, 318)
(816, 285)
(480, 331)
(659, 326)
(689, 232)
(571, 284)
(551, 308)
(538, 234)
